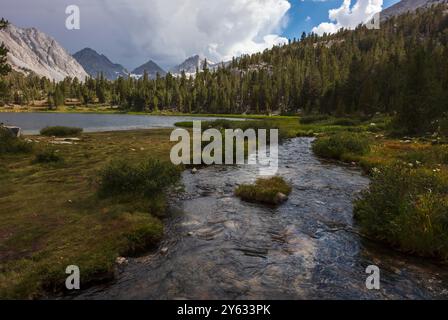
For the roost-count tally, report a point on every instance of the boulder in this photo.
(280, 198)
(15, 131)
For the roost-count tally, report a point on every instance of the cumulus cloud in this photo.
(348, 16)
(132, 31)
(171, 31)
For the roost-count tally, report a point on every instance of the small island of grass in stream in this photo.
(272, 191)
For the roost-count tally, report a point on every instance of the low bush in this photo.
(47, 156)
(313, 118)
(264, 190)
(12, 144)
(184, 124)
(60, 131)
(343, 146)
(147, 178)
(407, 208)
(345, 122)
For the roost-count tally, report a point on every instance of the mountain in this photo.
(190, 65)
(151, 68)
(408, 6)
(95, 63)
(31, 50)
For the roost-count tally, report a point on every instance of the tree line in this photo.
(400, 69)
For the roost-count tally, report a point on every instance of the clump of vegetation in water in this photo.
(47, 155)
(407, 208)
(270, 191)
(60, 131)
(345, 146)
(9, 143)
(146, 178)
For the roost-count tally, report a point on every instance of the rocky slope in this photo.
(95, 63)
(31, 50)
(190, 65)
(151, 68)
(408, 6)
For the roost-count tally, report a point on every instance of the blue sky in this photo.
(131, 32)
(316, 10)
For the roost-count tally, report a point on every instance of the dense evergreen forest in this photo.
(400, 69)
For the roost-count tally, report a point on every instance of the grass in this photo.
(343, 146)
(47, 155)
(408, 208)
(60, 131)
(264, 190)
(51, 216)
(147, 178)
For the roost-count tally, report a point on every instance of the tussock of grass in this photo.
(59, 131)
(313, 118)
(47, 155)
(342, 146)
(263, 190)
(407, 208)
(144, 179)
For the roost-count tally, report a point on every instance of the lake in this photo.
(32, 123)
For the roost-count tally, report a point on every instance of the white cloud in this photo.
(170, 31)
(308, 18)
(349, 17)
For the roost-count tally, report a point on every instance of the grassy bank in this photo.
(52, 215)
(406, 205)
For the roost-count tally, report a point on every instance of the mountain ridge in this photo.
(95, 63)
(151, 68)
(33, 51)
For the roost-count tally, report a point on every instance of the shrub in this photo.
(345, 122)
(142, 179)
(47, 156)
(407, 208)
(313, 119)
(342, 146)
(60, 131)
(263, 190)
(184, 124)
(12, 144)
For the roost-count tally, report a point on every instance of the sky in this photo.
(131, 32)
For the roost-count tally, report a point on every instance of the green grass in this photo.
(147, 178)
(263, 190)
(407, 208)
(343, 146)
(60, 131)
(47, 155)
(51, 216)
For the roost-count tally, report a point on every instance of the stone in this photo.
(15, 131)
(164, 250)
(121, 260)
(194, 171)
(280, 198)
